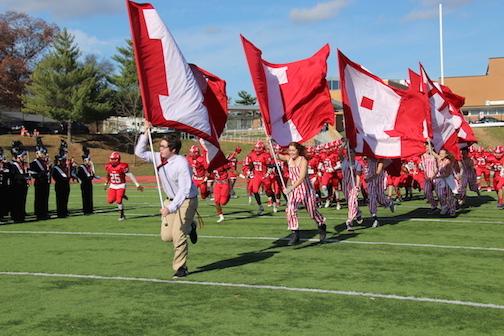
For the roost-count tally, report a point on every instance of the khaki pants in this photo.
(176, 227)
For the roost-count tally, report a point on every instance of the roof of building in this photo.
(20, 116)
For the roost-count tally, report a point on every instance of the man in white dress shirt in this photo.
(181, 204)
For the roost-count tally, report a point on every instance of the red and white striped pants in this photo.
(468, 179)
(429, 187)
(351, 195)
(376, 194)
(445, 195)
(308, 200)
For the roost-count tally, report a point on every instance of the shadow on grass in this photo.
(421, 213)
(72, 213)
(242, 259)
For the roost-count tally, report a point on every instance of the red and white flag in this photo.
(465, 133)
(380, 121)
(416, 85)
(445, 122)
(175, 94)
(294, 97)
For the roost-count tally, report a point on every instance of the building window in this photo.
(333, 84)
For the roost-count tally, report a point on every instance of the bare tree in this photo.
(23, 40)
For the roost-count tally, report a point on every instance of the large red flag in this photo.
(416, 86)
(294, 97)
(444, 120)
(465, 133)
(380, 121)
(174, 94)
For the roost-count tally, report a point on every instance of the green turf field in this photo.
(93, 275)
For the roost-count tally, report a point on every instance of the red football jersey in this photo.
(198, 165)
(116, 175)
(221, 173)
(233, 159)
(258, 162)
(328, 162)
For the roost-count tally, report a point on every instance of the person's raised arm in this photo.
(140, 148)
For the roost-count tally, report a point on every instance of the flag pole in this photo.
(348, 153)
(441, 42)
(155, 167)
(274, 155)
(276, 163)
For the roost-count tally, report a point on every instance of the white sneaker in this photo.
(349, 226)
(275, 209)
(324, 192)
(359, 220)
(327, 204)
(122, 218)
(376, 223)
(250, 200)
(338, 206)
(221, 218)
(261, 210)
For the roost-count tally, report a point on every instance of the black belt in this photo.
(187, 198)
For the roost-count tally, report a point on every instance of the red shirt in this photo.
(116, 175)
(233, 160)
(258, 162)
(199, 166)
(221, 173)
(328, 162)
(313, 165)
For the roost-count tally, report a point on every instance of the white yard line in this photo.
(342, 218)
(250, 286)
(126, 234)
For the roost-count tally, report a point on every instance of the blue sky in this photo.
(386, 37)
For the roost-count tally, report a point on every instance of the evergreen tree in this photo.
(97, 104)
(246, 98)
(64, 89)
(127, 100)
(127, 95)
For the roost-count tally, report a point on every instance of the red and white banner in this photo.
(445, 121)
(465, 133)
(174, 94)
(416, 86)
(294, 97)
(381, 121)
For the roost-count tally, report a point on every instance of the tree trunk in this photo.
(69, 131)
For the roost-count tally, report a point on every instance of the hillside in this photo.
(490, 136)
(101, 146)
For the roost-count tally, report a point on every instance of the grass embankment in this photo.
(101, 146)
(490, 136)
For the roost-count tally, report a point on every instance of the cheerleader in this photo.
(445, 183)
(376, 186)
(300, 192)
(351, 182)
(429, 166)
(468, 178)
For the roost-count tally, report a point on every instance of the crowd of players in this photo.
(442, 179)
(338, 177)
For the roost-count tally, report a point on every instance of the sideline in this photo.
(126, 234)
